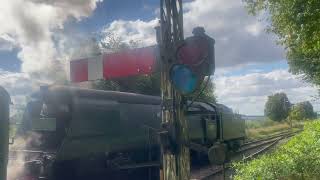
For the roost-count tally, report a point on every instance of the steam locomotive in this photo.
(85, 133)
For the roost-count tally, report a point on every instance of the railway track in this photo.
(270, 137)
(265, 141)
(254, 148)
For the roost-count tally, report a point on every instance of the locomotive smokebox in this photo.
(4, 132)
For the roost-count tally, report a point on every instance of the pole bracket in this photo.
(167, 138)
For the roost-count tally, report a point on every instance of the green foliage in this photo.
(262, 128)
(277, 107)
(143, 84)
(253, 124)
(298, 159)
(296, 23)
(301, 111)
(150, 85)
(297, 113)
(146, 84)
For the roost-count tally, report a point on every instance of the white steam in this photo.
(17, 156)
(33, 27)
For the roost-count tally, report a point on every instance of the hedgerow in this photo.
(299, 159)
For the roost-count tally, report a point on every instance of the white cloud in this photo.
(32, 25)
(18, 86)
(138, 31)
(240, 38)
(255, 29)
(248, 93)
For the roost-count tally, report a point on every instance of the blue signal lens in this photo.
(183, 79)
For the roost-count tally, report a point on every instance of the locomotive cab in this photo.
(43, 125)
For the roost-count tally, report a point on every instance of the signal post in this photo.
(184, 64)
(174, 133)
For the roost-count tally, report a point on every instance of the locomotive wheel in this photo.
(217, 154)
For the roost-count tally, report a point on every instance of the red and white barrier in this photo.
(115, 65)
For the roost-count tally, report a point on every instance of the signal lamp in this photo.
(183, 78)
(195, 60)
(194, 51)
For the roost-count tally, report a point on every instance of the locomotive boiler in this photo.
(84, 133)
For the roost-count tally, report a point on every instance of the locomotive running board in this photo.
(140, 165)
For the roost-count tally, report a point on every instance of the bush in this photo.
(299, 158)
(253, 124)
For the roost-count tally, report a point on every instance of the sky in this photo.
(37, 36)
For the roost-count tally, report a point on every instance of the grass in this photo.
(256, 129)
(297, 159)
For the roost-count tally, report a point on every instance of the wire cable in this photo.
(198, 95)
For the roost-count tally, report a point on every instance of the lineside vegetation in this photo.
(299, 158)
(256, 129)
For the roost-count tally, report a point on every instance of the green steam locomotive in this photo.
(85, 133)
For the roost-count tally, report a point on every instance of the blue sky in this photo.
(250, 64)
(9, 60)
(110, 10)
(258, 68)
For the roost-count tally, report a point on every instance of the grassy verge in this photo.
(261, 128)
(299, 159)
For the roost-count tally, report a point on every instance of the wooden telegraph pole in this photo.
(174, 135)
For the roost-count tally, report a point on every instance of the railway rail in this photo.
(257, 146)
(270, 137)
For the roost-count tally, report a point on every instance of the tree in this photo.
(301, 111)
(297, 113)
(296, 23)
(308, 109)
(277, 107)
(143, 84)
